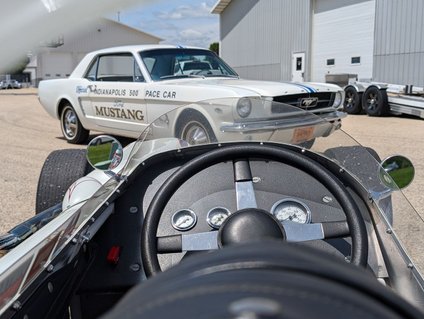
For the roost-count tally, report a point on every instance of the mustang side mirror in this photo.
(104, 153)
(400, 169)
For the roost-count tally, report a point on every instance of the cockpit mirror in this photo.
(104, 153)
(397, 170)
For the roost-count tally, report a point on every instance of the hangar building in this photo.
(303, 40)
(58, 58)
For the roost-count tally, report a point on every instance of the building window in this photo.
(48, 74)
(57, 74)
(356, 60)
(331, 62)
(298, 64)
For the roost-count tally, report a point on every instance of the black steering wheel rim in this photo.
(249, 150)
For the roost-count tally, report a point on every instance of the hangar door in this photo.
(56, 65)
(342, 38)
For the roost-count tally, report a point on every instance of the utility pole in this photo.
(119, 16)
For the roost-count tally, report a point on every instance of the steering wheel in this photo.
(250, 223)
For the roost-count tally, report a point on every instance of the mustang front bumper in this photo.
(289, 122)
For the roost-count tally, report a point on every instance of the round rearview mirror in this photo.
(397, 172)
(104, 153)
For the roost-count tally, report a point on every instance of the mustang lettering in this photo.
(115, 92)
(119, 113)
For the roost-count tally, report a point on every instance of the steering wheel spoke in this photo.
(296, 232)
(187, 242)
(245, 193)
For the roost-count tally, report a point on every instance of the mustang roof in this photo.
(143, 47)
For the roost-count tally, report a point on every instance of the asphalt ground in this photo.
(28, 134)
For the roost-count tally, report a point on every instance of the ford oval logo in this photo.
(308, 102)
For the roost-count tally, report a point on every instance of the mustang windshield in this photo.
(163, 64)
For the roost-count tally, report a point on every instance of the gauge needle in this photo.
(187, 219)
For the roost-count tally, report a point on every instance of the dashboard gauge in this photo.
(184, 219)
(216, 216)
(290, 209)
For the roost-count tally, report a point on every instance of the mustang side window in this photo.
(120, 67)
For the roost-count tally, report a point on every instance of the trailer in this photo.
(377, 98)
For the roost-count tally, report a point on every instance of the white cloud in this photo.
(203, 36)
(189, 34)
(201, 10)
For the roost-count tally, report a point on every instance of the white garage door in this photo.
(57, 65)
(342, 38)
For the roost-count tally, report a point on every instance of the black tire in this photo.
(60, 170)
(71, 126)
(352, 103)
(374, 102)
(193, 128)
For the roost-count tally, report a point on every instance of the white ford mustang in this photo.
(121, 90)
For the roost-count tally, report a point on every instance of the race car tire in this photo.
(374, 102)
(60, 170)
(71, 126)
(352, 103)
(193, 128)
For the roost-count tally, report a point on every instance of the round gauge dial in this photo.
(216, 216)
(291, 210)
(184, 219)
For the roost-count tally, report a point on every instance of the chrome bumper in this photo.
(292, 121)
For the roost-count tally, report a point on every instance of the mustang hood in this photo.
(262, 88)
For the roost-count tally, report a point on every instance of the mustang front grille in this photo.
(312, 102)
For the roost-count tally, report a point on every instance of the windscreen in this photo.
(217, 123)
(163, 64)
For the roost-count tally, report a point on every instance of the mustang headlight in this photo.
(244, 107)
(338, 99)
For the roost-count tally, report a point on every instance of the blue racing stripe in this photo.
(307, 88)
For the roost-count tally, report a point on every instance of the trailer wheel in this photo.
(375, 102)
(60, 170)
(352, 103)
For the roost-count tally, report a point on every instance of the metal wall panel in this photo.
(399, 42)
(258, 38)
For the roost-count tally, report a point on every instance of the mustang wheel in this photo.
(60, 170)
(193, 128)
(352, 103)
(71, 126)
(375, 102)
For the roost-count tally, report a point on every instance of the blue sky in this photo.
(184, 22)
